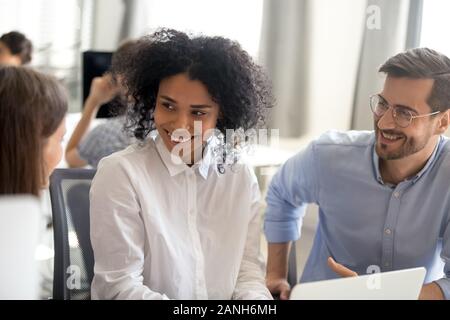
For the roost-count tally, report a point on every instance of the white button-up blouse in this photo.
(162, 230)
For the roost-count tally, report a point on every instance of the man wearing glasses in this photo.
(383, 196)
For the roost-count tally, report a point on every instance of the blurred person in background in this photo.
(15, 49)
(32, 127)
(89, 147)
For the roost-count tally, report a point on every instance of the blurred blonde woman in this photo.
(32, 126)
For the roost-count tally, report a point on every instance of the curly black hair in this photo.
(235, 82)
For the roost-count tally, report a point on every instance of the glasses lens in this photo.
(402, 117)
(378, 106)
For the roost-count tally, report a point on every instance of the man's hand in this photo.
(340, 269)
(430, 291)
(278, 287)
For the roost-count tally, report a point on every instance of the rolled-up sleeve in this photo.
(117, 236)
(444, 282)
(294, 186)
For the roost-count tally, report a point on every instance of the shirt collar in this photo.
(175, 164)
(206, 161)
(430, 162)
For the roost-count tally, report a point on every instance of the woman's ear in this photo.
(15, 60)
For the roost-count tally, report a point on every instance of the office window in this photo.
(235, 19)
(435, 25)
(58, 30)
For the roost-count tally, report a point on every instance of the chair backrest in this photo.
(292, 265)
(74, 258)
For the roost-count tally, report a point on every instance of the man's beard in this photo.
(408, 146)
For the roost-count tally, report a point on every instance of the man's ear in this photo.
(444, 122)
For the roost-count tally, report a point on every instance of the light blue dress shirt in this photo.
(363, 222)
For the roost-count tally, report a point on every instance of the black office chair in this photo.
(74, 258)
(292, 277)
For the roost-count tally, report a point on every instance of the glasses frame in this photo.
(394, 113)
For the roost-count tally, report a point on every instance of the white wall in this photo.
(336, 36)
(108, 16)
(336, 29)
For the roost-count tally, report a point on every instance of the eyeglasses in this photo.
(402, 116)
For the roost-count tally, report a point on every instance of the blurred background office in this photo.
(322, 55)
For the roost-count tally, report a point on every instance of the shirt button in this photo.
(388, 231)
(396, 194)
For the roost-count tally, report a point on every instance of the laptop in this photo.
(394, 285)
(95, 64)
(20, 227)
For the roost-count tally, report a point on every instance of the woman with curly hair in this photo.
(169, 218)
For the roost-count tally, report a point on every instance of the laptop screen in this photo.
(95, 64)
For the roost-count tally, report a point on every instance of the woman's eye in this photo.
(168, 106)
(198, 113)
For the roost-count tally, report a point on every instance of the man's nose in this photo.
(387, 121)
